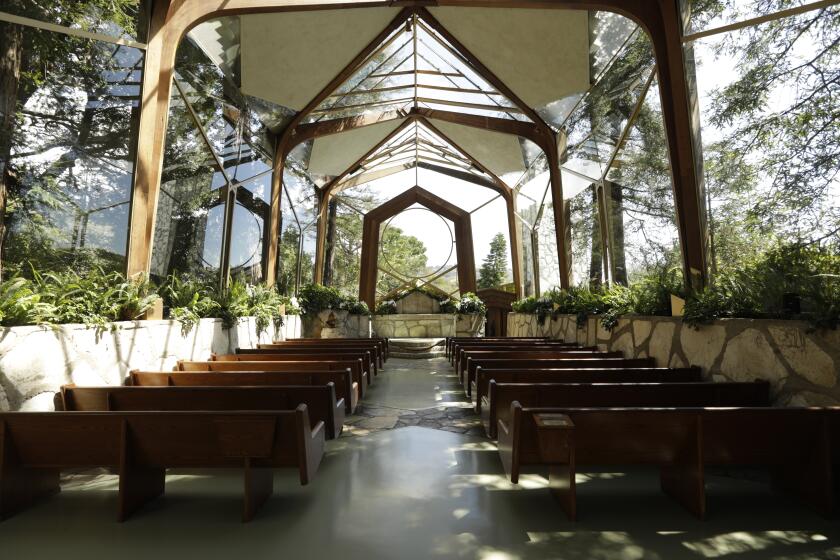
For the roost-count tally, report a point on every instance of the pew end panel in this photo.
(556, 438)
(793, 443)
(138, 484)
(21, 486)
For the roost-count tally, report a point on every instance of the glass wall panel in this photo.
(190, 213)
(639, 194)
(491, 243)
(67, 150)
(547, 259)
(587, 254)
(210, 122)
(342, 263)
(126, 19)
(771, 136)
(710, 14)
(595, 127)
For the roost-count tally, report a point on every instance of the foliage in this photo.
(188, 301)
(807, 273)
(449, 306)
(470, 304)
(20, 304)
(264, 305)
(315, 298)
(95, 298)
(495, 266)
(355, 307)
(387, 307)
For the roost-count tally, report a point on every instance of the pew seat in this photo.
(345, 388)
(591, 361)
(320, 400)
(359, 375)
(564, 375)
(501, 396)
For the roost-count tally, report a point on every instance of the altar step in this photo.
(417, 348)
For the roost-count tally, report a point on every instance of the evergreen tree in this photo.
(494, 268)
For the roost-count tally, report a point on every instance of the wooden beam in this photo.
(154, 111)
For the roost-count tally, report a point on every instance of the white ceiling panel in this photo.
(332, 155)
(541, 55)
(288, 58)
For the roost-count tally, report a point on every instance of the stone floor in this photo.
(411, 392)
(413, 492)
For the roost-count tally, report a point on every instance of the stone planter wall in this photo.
(414, 325)
(802, 366)
(36, 361)
(336, 324)
(470, 325)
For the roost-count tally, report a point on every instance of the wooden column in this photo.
(320, 244)
(551, 148)
(515, 245)
(157, 86)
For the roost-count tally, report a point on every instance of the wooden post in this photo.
(157, 86)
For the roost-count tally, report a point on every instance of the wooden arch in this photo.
(416, 195)
(172, 19)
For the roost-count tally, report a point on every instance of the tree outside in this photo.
(494, 269)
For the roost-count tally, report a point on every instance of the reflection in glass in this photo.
(69, 157)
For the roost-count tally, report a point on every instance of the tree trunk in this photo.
(616, 215)
(11, 53)
(596, 256)
(329, 249)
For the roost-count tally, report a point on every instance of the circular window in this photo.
(427, 226)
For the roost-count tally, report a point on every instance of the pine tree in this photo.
(494, 268)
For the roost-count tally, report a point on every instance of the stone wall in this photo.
(469, 325)
(417, 303)
(336, 324)
(36, 361)
(802, 365)
(414, 325)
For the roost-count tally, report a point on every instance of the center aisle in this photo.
(415, 392)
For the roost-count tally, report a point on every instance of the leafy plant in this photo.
(188, 300)
(470, 304)
(387, 307)
(264, 304)
(355, 307)
(21, 305)
(315, 298)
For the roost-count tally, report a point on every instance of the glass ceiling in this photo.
(415, 145)
(415, 67)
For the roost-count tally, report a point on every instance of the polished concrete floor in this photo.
(414, 493)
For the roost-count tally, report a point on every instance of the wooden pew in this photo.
(450, 339)
(323, 364)
(794, 443)
(624, 395)
(370, 354)
(461, 352)
(480, 387)
(36, 446)
(380, 345)
(345, 388)
(375, 349)
(547, 361)
(369, 364)
(452, 342)
(383, 341)
(320, 400)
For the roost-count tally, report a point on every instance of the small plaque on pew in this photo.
(553, 421)
(555, 434)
